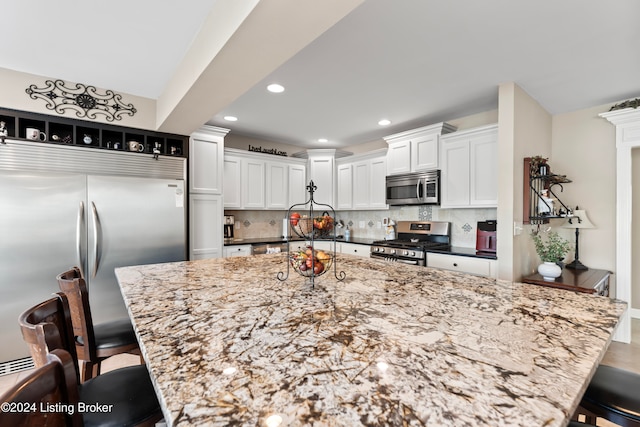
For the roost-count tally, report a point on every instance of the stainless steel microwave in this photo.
(421, 188)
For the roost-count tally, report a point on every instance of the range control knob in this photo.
(393, 251)
(413, 254)
(405, 253)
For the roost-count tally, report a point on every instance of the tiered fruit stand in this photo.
(307, 261)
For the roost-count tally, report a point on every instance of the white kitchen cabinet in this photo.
(262, 181)
(321, 172)
(378, 184)
(399, 157)
(297, 185)
(205, 226)
(237, 250)
(469, 162)
(355, 249)
(424, 152)
(232, 182)
(477, 266)
(253, 183)
(361, 181)
(345, 186)
(361, 185)
(415, 150)
(277, 184)
(206, 147)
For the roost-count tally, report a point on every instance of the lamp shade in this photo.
(578, 220)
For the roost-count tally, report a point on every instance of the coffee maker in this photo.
(228, 226)
(486, 237)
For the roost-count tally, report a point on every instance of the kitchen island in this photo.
(226, 343)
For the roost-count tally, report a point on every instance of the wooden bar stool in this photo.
(94, 343)
(129, 391)
(47, 385)
(613, 394)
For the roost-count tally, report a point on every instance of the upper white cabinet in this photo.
(415, 150)
(345, 186)
(262, 181)
(252, 176)
(232, 181)
(297, 184)
(206, 147)
(321, 172)
(361, 181)
(469, 163)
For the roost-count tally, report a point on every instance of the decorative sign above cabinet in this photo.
(84, 100)
(267, 150)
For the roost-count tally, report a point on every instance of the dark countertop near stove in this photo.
(455, 250)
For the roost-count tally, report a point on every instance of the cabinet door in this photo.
(322, 174)
(424, 152)
(399, 158)
(297, 184)
(205, 157)
(361, 185)
(378, 184)
(345, 187)
(253, 184)
(232, 182)
(277, 183)
(483, 185)
(477, 266)
(205, 226)
(454, 183)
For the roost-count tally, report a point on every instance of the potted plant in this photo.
(551, 250)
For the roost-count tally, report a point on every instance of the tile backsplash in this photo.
(368, 224)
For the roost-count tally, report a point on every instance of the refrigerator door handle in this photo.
(80, 227)
(97, 234)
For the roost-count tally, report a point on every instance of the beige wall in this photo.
(635, 242)
(524, 130)
(584, 150)
(13, 85)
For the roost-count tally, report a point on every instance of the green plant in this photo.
(552, 249)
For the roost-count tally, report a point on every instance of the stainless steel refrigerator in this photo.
(50, 221)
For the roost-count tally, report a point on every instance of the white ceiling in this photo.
(415, 62)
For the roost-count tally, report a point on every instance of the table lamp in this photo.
(578, 220)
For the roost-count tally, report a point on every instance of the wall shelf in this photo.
(535, 209)
(82, 133)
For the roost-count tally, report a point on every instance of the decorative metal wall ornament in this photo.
(632, 103)
(84, 100)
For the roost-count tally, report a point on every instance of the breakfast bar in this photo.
(227, 343)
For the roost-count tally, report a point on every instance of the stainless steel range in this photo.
(415, 239)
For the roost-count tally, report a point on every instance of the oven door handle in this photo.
(407, 261)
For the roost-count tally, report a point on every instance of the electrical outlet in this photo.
(361, 224)
(517, 228)
(379, 224)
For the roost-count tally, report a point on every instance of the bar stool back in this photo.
(94, 343)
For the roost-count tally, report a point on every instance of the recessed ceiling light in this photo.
(275, 88)
(231, 118)
(384, 122)
(323, 140)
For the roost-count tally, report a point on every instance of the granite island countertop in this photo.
(226, 343)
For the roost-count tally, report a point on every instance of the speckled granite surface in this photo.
(229, 344)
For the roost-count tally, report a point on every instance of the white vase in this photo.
(549, 271)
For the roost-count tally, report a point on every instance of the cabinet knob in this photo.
(455, 264)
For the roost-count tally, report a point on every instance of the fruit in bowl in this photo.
(309, 261)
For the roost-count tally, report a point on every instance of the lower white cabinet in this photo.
(478, 266)
(205, 226)
(355, 249)
(237, 250)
